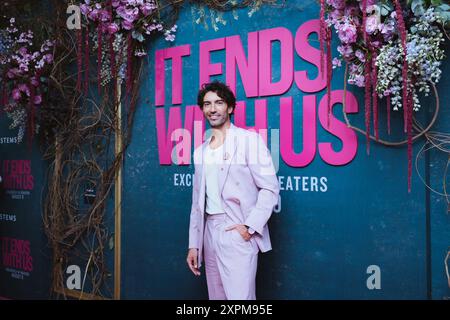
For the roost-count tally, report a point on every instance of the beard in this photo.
(218, 121)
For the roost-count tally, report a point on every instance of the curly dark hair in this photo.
(219, 88)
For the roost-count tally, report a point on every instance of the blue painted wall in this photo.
(323, 242)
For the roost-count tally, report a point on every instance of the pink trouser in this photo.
(230, 261)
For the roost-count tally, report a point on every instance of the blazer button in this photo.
(221, 169)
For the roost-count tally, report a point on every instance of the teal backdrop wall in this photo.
(325, 241)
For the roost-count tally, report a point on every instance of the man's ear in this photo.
(230, 110)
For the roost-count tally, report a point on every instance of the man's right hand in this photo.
(192, 261)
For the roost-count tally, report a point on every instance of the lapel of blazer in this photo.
(229, 151)
(202, 195)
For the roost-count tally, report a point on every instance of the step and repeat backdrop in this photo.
(345, 226)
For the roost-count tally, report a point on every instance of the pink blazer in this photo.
(247, 182)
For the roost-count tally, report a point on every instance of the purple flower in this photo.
(336, 62)
(387, 30)
(337, 4)
(16, 94)
(346, 51)
(351, 11)
(24, 88)
(170, 37)
(48, 58)
(128, 14)
(37, 99)
(360, 55)
(113, 28)
(115, 3)
(93, 15)
(12, 73)
(347, 33)
(23, 51)
(84, 9)
(23, 67)
(147, 9)
(376, 44)
(104, 15)
(357, 80)
(127, 25)
(372, 23)
(335, 15)
(34, 81)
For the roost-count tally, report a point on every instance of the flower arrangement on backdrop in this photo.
(392, 49)
(24, 64)
(117, 30)
(79, 112)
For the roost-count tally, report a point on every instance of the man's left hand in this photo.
(242, 229)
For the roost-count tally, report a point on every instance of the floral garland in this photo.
(393, 50)
(24, 66)
(118, 31)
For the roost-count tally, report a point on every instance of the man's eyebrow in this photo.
(213, 100)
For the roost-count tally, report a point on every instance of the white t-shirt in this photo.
(213, 160)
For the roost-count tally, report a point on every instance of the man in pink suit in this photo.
(234, 192)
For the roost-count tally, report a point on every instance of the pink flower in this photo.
(113, 28)
(347, 33)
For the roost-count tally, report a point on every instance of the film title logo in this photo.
(17, 178)
(16, 257)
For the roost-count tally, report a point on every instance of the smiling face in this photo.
(216, 110)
